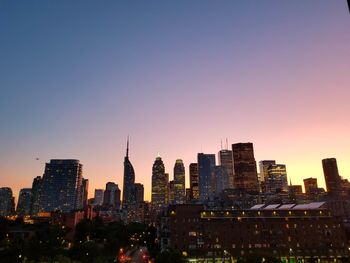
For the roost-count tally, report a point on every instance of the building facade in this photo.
(226, 161)
(129, 179)
(24, 202)
(62, 186)
(179, 182)
(206, 176)
(160, 182)
(194, 188)
(245, 172)
(6, 199)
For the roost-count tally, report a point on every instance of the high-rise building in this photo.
(159, 184)
(61, 186)
(194, 190)
(24, 201)
(84, 192)
(263, 166)
(221, 179)
(206, 176)
(6, 199)
(129, 179)
(244, 166)
(226, 161)
(36, 195)
(98, 197)
(139, 192)
(331, 175)
(276, 180)
(111, 198)
(171, 191)
(179, 182)
(310, 185)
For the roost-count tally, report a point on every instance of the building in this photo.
(129, 179)
(194, 189)
(222, 179)
(6, 201)
(62, 186)
(226, 161)
(24, 202)
(85, 192)
(36, 194)
(284, 232)
(98, 197)
(276, 180)
(245, 172)
(331, 175)
(111, 197)
(310, 185)
(139, 192)
(263, 166)
(206, 176)
(171, 191)
(160, 182)
(179, 182)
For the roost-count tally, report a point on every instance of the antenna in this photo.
(226, 144)
(221, 144)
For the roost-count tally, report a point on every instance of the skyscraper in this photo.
(159, 184)
(226, 161)
(5, 201)
(276, 180)
(221, 179)
(179, 182)
(139, 192)
(194, 190)
(129, 179)
(111, 198)
(84, 192)
(206, 176)
(36, 195)
(310, 185)
(61, 186)
(98, 197)
(331, 175)
(24, 201)
(245, 173)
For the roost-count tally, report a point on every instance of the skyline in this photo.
(77, 78)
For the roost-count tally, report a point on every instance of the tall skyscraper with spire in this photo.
(129, 179)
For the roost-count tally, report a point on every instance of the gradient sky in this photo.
(77, 77)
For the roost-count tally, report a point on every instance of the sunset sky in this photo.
(78, 77)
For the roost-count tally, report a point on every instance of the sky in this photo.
(78, 77)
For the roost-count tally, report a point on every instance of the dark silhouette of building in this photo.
(206, 176)
(310, 185)
(24, 201)
(85, 192)
(159, 184)
(6, 201)
(171, 191)
(221, 179)
(245, 173)
(226, 161)
(36, 195)
(331, 175)
(179, 182)
(139, 192)
(111, 198)
(62, 186)
(194, 189)
(98, 197)
(129, 179)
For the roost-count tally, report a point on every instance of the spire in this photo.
(127, 147)
(221, 144)
(290, 181)
(226, 144)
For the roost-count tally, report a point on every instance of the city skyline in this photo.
(178, 78)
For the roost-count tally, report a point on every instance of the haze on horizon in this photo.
(77, 77)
